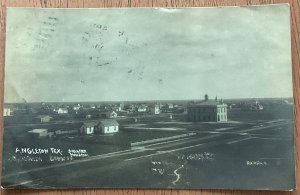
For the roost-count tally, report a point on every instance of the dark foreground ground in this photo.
(245, 153)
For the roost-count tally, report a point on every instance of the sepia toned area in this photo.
(205, 155)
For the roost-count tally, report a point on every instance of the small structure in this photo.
(208, 111)
(77, 107)
(108, 126)
(88, 116)
(120, 106)
(62, 111)
(155, 109)
(39, 133)
(64, 132)
(129, 108)
(252, 106)
(169, 106)
(142, 108)
(44, 118)
(111, 114)
(135, 120)
(7, 112)
(88, 128)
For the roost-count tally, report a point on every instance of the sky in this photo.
(136, 54)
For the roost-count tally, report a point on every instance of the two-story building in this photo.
(207, 111)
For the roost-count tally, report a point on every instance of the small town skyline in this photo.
(152, 100)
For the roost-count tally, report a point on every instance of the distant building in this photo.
(111, 114)
(207, 111)
(287, 102)
(252, 106)
(64, 132)
(142, 108)
(77, 107)
(7, 112)
(181, 109)
(88, 128)
(44, 118)
(169, 106)
(88, 116)
(108, 126)
(160, 105)
(155, 109)
(135, 120)
(120, 106)
(62, 111)
(103, 107)
(129, 108)
(39, 133)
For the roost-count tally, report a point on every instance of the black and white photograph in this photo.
(149, 98)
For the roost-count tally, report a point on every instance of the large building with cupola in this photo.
(207, 111)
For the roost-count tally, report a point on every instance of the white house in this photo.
(108, 126)
(111, 114)
(7, 112)
(38, 133)
(88, 128)
(62, 111)
(44, 118)
(77, 107)
(142, 108)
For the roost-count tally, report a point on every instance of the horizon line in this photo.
(157, 100)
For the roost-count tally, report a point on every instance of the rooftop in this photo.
(38, 131)
(109, 122)
(43, 116)
(209, 103)
(90, 124)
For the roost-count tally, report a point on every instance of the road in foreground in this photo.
(259, 157)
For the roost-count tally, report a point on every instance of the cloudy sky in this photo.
(147, 54)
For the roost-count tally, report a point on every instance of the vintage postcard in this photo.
(184, 98)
